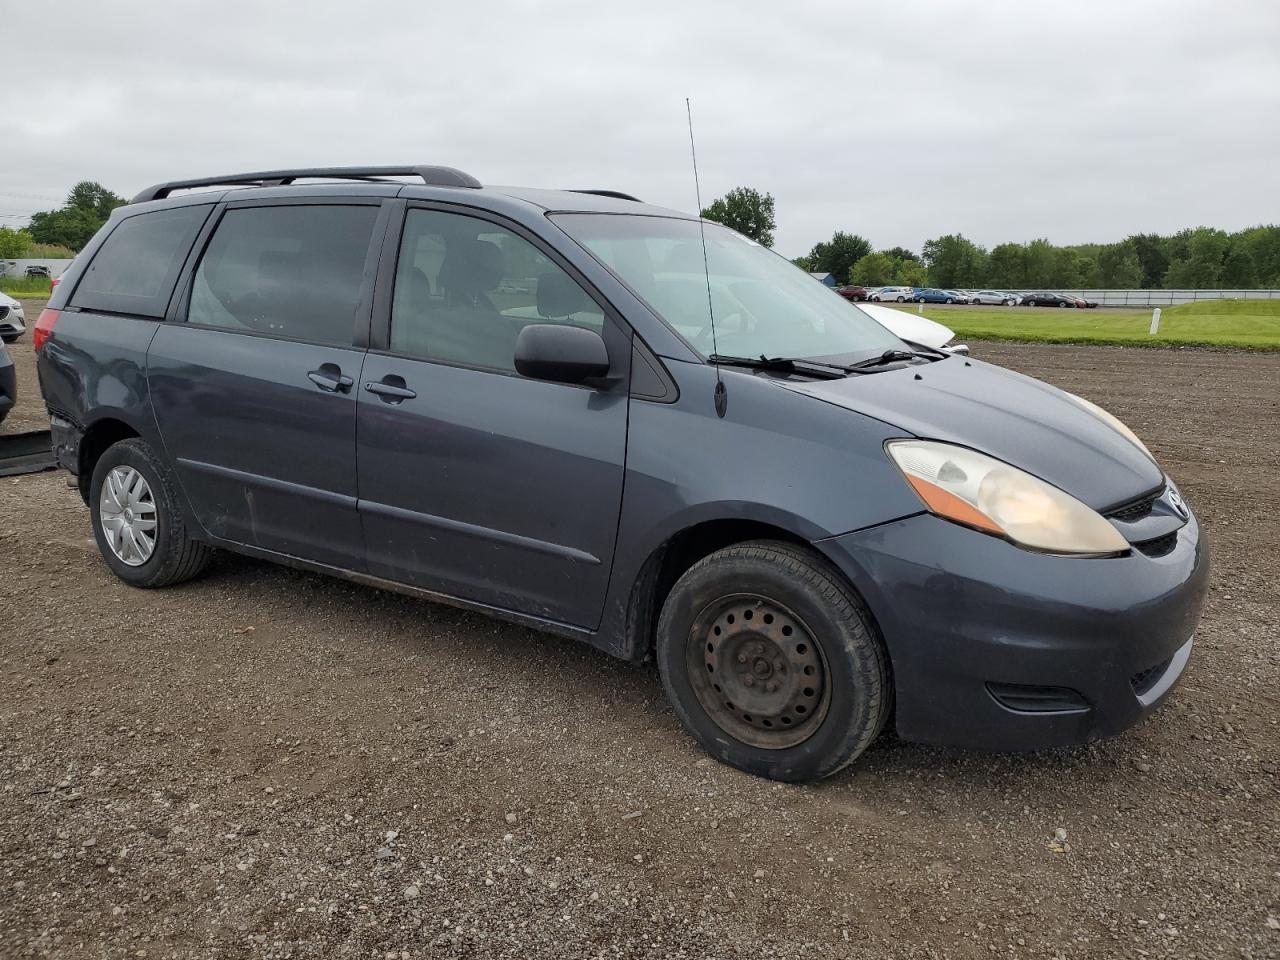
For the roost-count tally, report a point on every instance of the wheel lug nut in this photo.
(749, 681)
(742, 658)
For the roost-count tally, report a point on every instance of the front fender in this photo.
(777, 458)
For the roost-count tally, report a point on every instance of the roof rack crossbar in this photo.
(616, 194)
(433, 176)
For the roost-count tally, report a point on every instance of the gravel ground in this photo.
(266, 763)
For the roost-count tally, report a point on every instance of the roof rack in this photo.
(616, 194)
(431, 176)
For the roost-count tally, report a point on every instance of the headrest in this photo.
(471, 267)
(559, 296)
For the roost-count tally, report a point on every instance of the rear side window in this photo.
(293, 272)
(137, 265)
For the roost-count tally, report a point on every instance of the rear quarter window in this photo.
(137, 265)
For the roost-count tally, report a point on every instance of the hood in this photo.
(909, 326)
(1029, 424)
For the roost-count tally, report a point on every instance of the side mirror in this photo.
(561, 353)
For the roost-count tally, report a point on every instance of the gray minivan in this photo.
(615, 422)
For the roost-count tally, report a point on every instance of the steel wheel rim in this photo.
(758, 671)
(127, 515)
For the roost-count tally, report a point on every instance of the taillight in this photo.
(54, 283)
(44, 326)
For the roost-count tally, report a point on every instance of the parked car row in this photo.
(938, 295)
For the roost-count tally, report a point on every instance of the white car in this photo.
(914, 328)
(13, 322)
(994, 296)
(899, 294)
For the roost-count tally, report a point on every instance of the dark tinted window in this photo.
(288, 271)
(466, 287)
(135, 269)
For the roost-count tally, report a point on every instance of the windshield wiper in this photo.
(892, 355)
(812, 368)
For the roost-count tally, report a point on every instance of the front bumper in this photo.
(996, 647)
(13, 322)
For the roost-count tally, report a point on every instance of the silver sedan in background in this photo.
(13, 322)
(1000, 297)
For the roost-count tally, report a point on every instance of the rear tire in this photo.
(156, 550)
(777, 629)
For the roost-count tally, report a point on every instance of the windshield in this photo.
(764, 305)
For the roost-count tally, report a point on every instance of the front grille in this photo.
(4, 311)
(1135, 510)
(1160, 546)
(1144, 680)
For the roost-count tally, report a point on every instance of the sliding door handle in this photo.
(390, 389)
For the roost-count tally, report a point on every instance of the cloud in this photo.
(898, 120)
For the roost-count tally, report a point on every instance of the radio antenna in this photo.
(721, 397)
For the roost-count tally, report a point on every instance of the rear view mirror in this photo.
(561, 353)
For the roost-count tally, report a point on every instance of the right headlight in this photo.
(987, 494)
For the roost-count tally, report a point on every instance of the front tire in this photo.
(136, 521)
(902, 299)
(772, 662)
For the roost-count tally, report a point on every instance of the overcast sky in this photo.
(900, 120)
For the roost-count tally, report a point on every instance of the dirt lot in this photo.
(266, 763)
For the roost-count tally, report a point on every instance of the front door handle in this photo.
(330, 379)
(391, 389)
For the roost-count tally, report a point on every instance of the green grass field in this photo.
(26, 286)
(1214, 323)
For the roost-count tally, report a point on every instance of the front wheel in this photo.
(772, 662)
(136, 521)
(1008, 303)
(902, 299)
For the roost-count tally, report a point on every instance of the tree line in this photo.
(1200, 257)
(65, 231)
